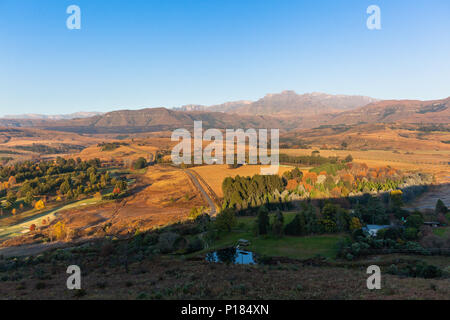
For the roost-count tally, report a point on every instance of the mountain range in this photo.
(286, 110)
(288, 103)
(34, 116)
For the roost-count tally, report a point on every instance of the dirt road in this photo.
(211, 203)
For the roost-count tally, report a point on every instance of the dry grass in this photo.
(164, 278)
(162, 196)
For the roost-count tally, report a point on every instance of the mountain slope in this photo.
(405, 111)
(288, 103)
(160, 119)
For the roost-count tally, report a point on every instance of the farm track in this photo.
(211, 191)
(198, 185)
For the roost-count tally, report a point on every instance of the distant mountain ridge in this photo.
(34, 116)
(289, 112)
(288, 103)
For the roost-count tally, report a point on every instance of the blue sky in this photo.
(134, 54)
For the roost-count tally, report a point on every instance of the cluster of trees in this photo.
(110, 146)
(63, 178)
(29, 170)
(346, 179)
(330, 219)
(44, 149)
(314, 160)
(329, 180)
(250, 192)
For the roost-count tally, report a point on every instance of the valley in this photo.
(105, 186)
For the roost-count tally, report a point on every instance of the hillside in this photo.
(159, 119)
(405, 111)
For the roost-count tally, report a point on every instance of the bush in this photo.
(40, 205)
(195, 244)
(140, 163)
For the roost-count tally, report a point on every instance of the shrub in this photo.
(140, 163)
(349, 158)
(40, 205)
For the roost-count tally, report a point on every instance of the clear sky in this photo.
(134, 54)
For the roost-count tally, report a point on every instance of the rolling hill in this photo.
(405, 111)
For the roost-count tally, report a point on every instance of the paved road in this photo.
(204, 193)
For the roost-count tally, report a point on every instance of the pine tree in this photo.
(263, 220)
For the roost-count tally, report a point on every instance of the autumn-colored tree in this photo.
(59, 231)
(40, 205)
(336, 192)
(310, 178)
(355, 224)
(12, 181)
(292, 185)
